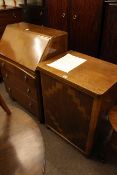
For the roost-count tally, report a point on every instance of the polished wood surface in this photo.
(113, 117)
(21, 144)
(81, 19)
(22, 47)
(58, 14)
(4, 106)
(94, 76)
(85, 22)
(83, 96)
(29, 44)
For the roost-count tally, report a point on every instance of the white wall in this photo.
(11, 2)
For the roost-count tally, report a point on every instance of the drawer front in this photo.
(10, 16)
(19, 78)
(26, 101)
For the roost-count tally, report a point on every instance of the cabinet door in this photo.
(85, 25)
(57, 14)
(109, 38)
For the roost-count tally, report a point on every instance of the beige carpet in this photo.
(61, 157)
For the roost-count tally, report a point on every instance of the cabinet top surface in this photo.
(94, 75)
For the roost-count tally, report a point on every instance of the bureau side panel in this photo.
(67, 110)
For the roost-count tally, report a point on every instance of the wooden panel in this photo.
(57, 13)
(109, 38)
(67, 110)
(85, 25)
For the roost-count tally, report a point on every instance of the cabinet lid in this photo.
(94, 76)
(27, 44)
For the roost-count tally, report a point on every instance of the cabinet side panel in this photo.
(67, 110)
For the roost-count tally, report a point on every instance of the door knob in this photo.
(63, 15)
(75, 17)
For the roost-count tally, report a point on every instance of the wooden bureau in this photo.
(23, 46)
(75, 101)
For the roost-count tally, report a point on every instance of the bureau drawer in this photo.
(17, 83)
(26, 101)
(15, 73)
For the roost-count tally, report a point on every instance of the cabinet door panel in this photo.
(85, 25)
(109, 38)
(57, 14)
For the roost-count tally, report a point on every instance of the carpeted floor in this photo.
(61, 157)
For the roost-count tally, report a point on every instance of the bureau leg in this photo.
(4, 106)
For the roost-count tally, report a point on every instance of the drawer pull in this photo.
(25, 77)
(6, 75)
(2, 64)
(41, 13)
(30, 104)
(14, 15)
(75, 17)
(9, 89)
(63, 15)
(28, 90)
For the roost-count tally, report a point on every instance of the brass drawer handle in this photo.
(28, 90)
(75, 17)
(63, 15)
(9, 89)
(2, 64)
(41, 13)
(25, 77)
(6, 75)
(14, 15)
(30, 104)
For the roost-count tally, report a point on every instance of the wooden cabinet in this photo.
(109, 35)
(75, 101)
(18, 64)
(82, 20)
